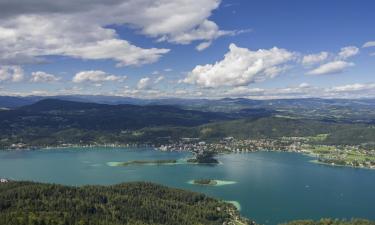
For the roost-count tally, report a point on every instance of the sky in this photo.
(259, 49)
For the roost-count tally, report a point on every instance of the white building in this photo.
(3, 180)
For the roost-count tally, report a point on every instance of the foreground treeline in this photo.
(331, 222)
(26, 203)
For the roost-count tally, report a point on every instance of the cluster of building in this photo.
(230, 144)
(18, 146)
(350, 157)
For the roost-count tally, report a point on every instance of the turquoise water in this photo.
(269, 187)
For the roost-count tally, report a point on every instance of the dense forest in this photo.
(27, 203)
(138, 203)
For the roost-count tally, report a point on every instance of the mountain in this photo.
(14, 102)
(340, 110)
(61, 114)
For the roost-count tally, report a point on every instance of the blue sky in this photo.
(149, 49)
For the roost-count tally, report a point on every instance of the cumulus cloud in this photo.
(144, 83)
(304, 85)
(347, 52)
(43, 77)
(207, 31)
(202, 46)
(11, 73)
(353, 87)
(120, 50)
(331, 68)
(304, 90)
(338, 62)
(96, 76)
(314, 58)
(27, 38)
(369, 44)
(159, 79)
(30, 30)
(240, 67)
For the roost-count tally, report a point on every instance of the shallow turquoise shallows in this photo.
(269, 187)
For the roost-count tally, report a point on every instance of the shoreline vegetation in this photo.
(211, 182)
(148, 162)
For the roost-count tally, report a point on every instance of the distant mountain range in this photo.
(62, 114)
(344, 110)
(55, 121)
(13, 102)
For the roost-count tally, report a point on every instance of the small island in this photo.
(211, 182)
(208, 182)
(204, 157)
(148, 162)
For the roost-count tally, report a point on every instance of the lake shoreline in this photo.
(305, 152)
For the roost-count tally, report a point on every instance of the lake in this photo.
(270, 187)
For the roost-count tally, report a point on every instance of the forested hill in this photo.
(52, 122)
(52, 113)
(26, 203)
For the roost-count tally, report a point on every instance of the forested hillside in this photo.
(54, 122)
(26, 203)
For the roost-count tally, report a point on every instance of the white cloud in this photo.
(202, 46)
(30, 30)
(159, 79)
(353, 87)
(11, 73)
(314, 58)
(331, 68)
(96, 76)
(43, 77)
(206, 31)
(119, 50)
(300, 91)
(144, 83)
(347, 52)
(304, 85)
(337, 63)
(369, 44)
(242, 91)
(67, 35)
(240, 67)
(303, 90)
